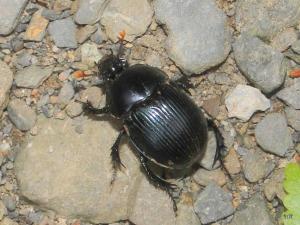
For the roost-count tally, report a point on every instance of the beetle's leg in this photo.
(115, 153)
(157, 181)
(183, 83)
(221, 148)
(104, 110)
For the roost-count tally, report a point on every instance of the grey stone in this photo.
(254, 212)
(6, 79)
(293, 117)
(198, 34)
(207, 161)
(63, 33)
(273, 187)
(66, 94)
(11, 11)
(291, 95)
(265, 19)
(90, 11)
(51, 14)
(260, 64)
(256, 167)
(21, 115)
(245, 100)
(284, 39)
(132, 16)
(24, 59)
(17, 44)
(33, 76)
(273, 127)
(157, 202)
(71, 173)
(296, 46)
(213, 204)
(74, 109)
(84, 33)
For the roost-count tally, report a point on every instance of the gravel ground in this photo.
(55, 160)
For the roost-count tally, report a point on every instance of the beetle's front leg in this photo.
(157, 181)
(115, 155)
(183, 83)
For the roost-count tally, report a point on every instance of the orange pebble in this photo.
(122, 35)
(79, 74)
(294, 73)
(35, 93)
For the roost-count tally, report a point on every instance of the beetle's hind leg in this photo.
(115, 155)
(157, 181)
(221, 148)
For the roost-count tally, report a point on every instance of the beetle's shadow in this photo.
(115, 123)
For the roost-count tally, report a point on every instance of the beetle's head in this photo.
(110, 66)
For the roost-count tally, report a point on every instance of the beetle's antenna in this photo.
(121, 37)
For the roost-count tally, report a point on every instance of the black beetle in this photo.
(164, 125)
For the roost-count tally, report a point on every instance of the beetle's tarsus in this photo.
(221, 148)
(104, 110)
(183, 83)
(159, 182)
(115, 156)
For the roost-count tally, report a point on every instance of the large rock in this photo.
(10, 13)
(6, 79)
(63, 33)
(198, 34)
(152, 206)
(291, 95)
(260, 64)
(90, 11)
(254, 212)
(273, 127)
(132, 16)
(70, 173)
(244, 100)
(265, 19)
(33, 76)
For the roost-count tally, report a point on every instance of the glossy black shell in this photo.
(162, 122)
(134, 85)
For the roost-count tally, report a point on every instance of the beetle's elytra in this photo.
(164, 125)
